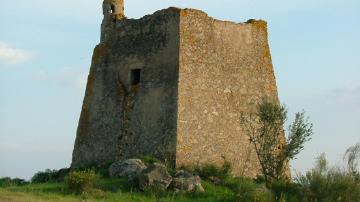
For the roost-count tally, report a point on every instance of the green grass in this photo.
(36, 193)
(321, 184)
(109, 190)
(232, 190)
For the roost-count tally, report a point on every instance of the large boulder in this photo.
(155, 176)
(185, 181)
(130, 168)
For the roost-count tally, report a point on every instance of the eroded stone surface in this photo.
(186, 181)
(155, 176)
(129, 168)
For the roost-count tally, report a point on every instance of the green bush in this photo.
(50, 176)
(246, 189)
(287, 191)
(102, 170)
(214, 173)
(148, 159)
(260, 179)
(81, 181)
(335, 185)
(7, 181)
(43, 177)
(329, 184)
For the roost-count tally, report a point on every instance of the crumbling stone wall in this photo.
(195, 76)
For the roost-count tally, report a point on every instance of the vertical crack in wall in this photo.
(126, 136)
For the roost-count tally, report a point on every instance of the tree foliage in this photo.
(352, 156)
(265, 131)
(328, 183)
(50, 176)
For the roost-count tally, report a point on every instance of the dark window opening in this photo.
(112, 9)
(135, 76)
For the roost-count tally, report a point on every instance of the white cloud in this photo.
(12, 55)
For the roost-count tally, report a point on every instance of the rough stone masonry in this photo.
(172, 85)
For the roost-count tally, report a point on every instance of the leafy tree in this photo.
(50, 176)
(265, 131)
(7, 182)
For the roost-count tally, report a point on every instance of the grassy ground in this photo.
(35, 193)
(57, 192)
(320, 184)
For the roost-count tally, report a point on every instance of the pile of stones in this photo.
(155, 176)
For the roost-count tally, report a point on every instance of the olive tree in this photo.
(265, 129)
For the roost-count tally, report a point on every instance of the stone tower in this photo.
(113, 10)
(172, 85)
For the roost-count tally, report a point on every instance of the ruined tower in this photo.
(172, 85)
(113, 10)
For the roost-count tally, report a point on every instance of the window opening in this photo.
(135, 76)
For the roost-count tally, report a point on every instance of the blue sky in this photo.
(46, 47)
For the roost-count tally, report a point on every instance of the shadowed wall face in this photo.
(130, 105)
(225, 69)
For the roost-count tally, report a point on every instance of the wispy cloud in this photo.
(65, 77)
(13, 55)
(349, 96)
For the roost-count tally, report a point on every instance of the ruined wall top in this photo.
(114, 8)
(113, 11)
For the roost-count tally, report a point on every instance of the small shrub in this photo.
(147, 159)
(207, 171)
(246, 189)
(286, 191)
(81, 181)
(260, 179)
(50, 176)
(102, 170)
(7, 181)
(213, 172)
(43, 177)
(329, 184)
(226, 168)
(19, 182)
